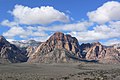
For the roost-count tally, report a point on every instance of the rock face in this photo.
(84, 48)
(97, 51)
(111, 56)
(58, 48)
(26, 43)
(30, 50)
(27, 47)
(10, 53)
(117, 47)
(65, 48)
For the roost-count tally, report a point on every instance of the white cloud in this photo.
(38, 15)
(112, 42)
(88, 36)
(79, 26)
(10, 40)
(8, 23)
(42, 39)
(23, 33)
(107, 12)
(37, 32)
(99, 32)
(15, 31)
(79, 30)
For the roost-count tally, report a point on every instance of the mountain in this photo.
(27, 46)
(26, 43)
(96, 51)
(9, 53)
(116, 46)
(65, 48)
(58, 48)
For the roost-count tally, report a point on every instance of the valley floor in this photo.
(69, 71)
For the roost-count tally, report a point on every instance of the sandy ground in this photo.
(69, 71)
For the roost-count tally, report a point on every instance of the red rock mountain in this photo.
(65, 48)
(58, 48)
(9, 53)
(97, 51)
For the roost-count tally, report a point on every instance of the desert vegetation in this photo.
(64, 71)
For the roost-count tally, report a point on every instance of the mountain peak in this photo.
(10, 53)
(58, 44)
(3, 40)
(57, 33)
(61, 40)
(60, 34)
(57, 36)
(96, 43)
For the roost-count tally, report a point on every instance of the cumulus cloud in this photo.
(79, 26)
(84, 31)
(24, 33)
(8, 23)
(99, 32)
(111, 42)
(109, 11)
(14, 31)
(88, 36)
(79, 30)
(38, 15)
(10, 40)
(42, 39)
(41, 31)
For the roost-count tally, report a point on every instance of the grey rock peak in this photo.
(3, 40)
(10, 53)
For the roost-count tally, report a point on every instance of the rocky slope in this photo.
(96, 51)
(9, 53)
(26, 43)
(58, 48)
(65, 48)
(117, 47)
(27, 47)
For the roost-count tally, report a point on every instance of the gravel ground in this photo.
(69, 71)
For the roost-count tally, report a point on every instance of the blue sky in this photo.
(79, 8)
(87, 20)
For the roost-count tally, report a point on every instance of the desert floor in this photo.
(69, 71)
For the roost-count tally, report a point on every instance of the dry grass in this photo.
(88, 71)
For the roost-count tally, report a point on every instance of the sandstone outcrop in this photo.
(58, 48)
(96, 51)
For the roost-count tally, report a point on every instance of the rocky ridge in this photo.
(9, 53)
(96, 51)
(27, 47)
(58, 48)
(26, 43)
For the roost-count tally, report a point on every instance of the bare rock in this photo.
(96, 51)
(58, 48)
(10, 53)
